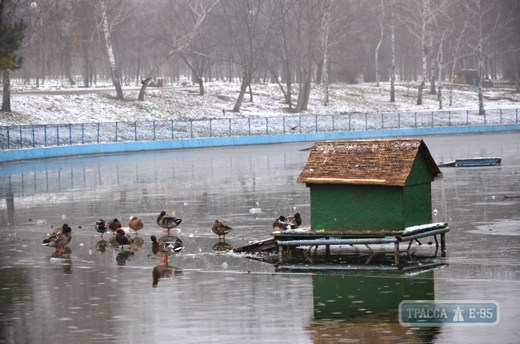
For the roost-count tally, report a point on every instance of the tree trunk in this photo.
(288, 86)
(6, 93)
(432, 69)
(392, 71)
(419, 93)
(86, 67)
(439, 95)
(201, 86)
(481, 110)
(305, 75)
(243, 89)
(325, 47)
(305, 89)
(382, 28)
(68, 63)
(517, 84)
(452, 76)
(424, 52)
(325, 80)
(116, 80)
(319, 71)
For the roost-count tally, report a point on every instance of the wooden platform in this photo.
(284, 241)
(470, 162)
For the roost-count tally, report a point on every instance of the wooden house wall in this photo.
(417, 205)
(356, 207)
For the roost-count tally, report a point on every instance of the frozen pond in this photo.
(102, 295)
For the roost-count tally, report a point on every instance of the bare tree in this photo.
(242, 24)
(179, 41)
(309, 20)
(478, 10)
(327, 24)
(107, 29)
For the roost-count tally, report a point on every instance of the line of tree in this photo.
(293, 43)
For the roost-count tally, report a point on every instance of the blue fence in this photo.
(49, 135)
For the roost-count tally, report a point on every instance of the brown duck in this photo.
(59, 238)
(219, 228)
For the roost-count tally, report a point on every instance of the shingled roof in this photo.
(371, 162)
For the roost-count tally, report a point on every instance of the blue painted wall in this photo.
(126, 147)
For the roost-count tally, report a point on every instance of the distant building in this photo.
(470, 77)
(379, 186)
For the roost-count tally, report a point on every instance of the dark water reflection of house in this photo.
(346, 305)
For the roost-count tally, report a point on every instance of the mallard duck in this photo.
(280, 224)
(113, 225)
(166, 248)
(219, 228)
(167, 221)
(122, 238)
(295, 221)
(135, 224)
(59, 238)
(101, 227)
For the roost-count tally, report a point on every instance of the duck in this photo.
(135, 224)
(219, 228)
(280, 224)
(166, 248)
(101, 227)
(295, 221)
(167, 221)
(59, 238)
(122, 238)
(114, 224)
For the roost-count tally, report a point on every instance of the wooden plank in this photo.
(298, 236)
(257, 246)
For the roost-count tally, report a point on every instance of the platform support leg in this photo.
(280, 252)
(327, 250)
(396, 252)
(409, 247)
(443, 244)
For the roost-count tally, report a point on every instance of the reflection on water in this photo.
(98, 293)
(62, 259)
(164, 271)
(124, 257)
(345, 304)
(222, 246)
(101, 245)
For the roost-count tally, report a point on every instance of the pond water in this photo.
(98, 293)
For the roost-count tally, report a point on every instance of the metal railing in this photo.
(52, 135)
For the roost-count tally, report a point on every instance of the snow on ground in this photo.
(55, 104)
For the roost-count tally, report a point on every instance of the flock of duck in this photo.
(165, 246)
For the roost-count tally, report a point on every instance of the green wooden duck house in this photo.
(361, 186)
